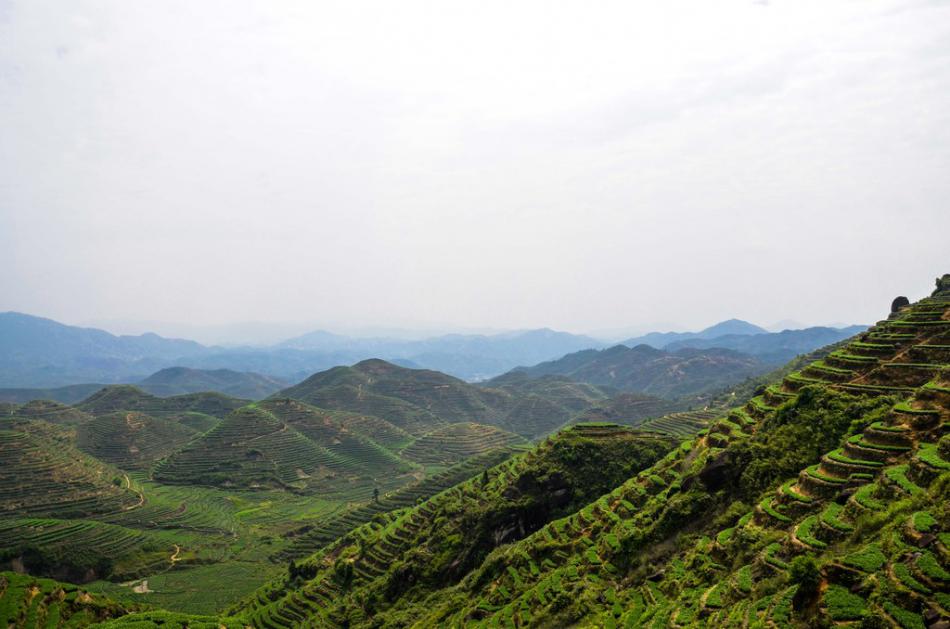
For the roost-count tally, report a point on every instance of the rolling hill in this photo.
(131, 398)
(284, 444)
(824, 501)
(644, 369)
(239, 384)
(420, 400)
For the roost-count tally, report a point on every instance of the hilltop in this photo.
(282, 444)
(823, 501)
(131, 398)
(238, 384)
(421, 400)
(660, 340)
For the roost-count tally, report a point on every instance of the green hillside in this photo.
(126, 397)
(419, 400)
(416, 400)
(130, 439)
(32, 603)
(456, 442)
(442, 539)
(822, 501)
(280, 444)
(629, 409)
(41, 477)
(52, 412)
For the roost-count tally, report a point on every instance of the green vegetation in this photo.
(823, 501)
(34, 603)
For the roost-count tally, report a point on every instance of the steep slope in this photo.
(441, 540)
(643, 369)
(239, 384)
(130, 439)
(822, 501)
(42, 475)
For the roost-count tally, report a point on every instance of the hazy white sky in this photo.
(578, 165)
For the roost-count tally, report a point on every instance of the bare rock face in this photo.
(898, 303)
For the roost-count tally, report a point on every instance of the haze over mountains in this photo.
(38, 353)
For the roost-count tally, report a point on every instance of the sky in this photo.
(584, 166)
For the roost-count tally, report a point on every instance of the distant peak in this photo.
(732, 326)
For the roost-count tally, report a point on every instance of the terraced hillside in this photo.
(30, 603)
(283, 444)
(629, 409)
(825, 500)
(456, 442)
(131, 440)
(452, 532)
(42, 477)
(126, 397)
(314, 537)
(52, 412)
(81, 550)
(681, 424)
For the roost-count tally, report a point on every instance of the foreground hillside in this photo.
(822, 501)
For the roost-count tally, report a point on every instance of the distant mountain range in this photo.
(164, 383)
(660, 340)
(647, 370)
(773, 347)
(42, 353)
